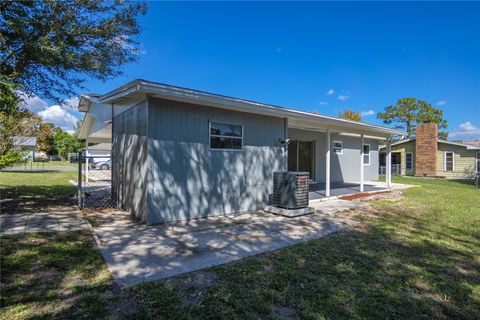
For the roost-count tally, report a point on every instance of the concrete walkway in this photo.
(21, 223)
(136, 253)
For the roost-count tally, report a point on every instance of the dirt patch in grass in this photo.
(362, 195)
(97, 217)
(283, 312)
(193, 286)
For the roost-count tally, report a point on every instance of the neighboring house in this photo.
(179, 153)
(426, 155)
(475, 143)
(27, 144)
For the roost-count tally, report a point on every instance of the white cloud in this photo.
(465, 131)
(441, 103)
(323, 103)
(56, 114)
(70, 103)
(330, 92)
(343, 97)
(367, 113)
(32, 102)
(59, 117)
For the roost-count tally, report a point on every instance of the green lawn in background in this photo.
(415, 257)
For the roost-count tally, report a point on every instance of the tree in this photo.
(14, 121)
(348, 114)
(408, 112)
(65, 143)
(49, 47)
(45, 140)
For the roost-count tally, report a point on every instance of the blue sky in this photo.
(367, 55)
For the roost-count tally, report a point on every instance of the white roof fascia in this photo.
(225, 102)
(356, 135)
(469, 147)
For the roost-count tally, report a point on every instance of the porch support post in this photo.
(362, 167)
(86, 165)
(388, 173)
(327, 166)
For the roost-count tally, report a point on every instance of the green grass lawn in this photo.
(417, 257)
(47, 276)
(35, 190)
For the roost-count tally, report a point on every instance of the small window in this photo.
(366, 154)
(226, 136)
(408, 161)
(449, 161)
(338, 147)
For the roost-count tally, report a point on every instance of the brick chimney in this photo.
(426, 148)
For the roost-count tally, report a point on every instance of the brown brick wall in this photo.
(426, 148)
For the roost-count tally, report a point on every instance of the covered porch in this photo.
(341, 158)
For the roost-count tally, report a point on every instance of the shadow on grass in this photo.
(372, 273)
(47, 276)
(26, 198)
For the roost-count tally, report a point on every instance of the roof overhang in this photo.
(467, 146)
(137, 89)
(86, 101)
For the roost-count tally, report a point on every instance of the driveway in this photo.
(136, 253)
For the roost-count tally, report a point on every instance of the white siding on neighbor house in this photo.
(464, 161)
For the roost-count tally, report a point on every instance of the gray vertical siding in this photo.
(164, 170)
(129, 159)
(186, 179)
(344, 167)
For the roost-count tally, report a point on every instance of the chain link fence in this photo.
(95, 182)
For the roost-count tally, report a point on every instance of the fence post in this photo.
(79, 181)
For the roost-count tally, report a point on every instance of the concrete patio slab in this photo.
(136, 253)
(21, 223)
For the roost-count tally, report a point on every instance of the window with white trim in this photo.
(366, 154)
(226, 136)
(449, 163)
(408, 161)
(338, 147)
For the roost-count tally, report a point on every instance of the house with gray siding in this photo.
(180, 154)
